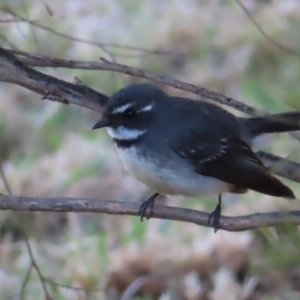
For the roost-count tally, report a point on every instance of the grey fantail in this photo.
(180, 146)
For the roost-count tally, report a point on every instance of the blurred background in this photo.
(47, 150)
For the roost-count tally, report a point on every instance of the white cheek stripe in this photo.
(124, 134)
(147, 108)
(122, 108)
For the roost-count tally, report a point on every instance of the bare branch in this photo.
(43, 61)
(105, 65)
(14, 71)
(242, 223)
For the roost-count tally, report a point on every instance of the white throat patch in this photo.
(124, 134)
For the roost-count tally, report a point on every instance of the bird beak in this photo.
(100, 124)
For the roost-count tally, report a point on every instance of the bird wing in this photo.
(231, 160)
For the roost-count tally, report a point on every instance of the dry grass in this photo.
(48, 149)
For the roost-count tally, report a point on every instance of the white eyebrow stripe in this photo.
(147, 108)
(121, 108)
(124, 134)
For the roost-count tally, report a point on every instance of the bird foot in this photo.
(215, 216)
(148, 203)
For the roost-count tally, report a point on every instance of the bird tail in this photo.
(272, 186)
(283, 122)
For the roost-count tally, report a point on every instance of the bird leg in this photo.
(216, 214)
(145, 204)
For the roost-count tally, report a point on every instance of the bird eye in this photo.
(129, 112)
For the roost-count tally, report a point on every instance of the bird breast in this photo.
(171, 176)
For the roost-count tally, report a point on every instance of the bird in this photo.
(192, 148)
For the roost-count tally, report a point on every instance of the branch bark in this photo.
(241, 223)
(104, 65)
(15, 71)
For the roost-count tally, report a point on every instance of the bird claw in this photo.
(215, 216)
(148, 203)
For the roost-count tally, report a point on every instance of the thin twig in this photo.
(22, 292)
(26, 12)
(33, 263)
(7, 41)
(281, 167)
(133, 288)
(8, 189)
(4, 179)
(38, 271)
(249, 287)
(70, 287)
(8, 20)
(103, 46)
(240, 223)
(265, 35)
